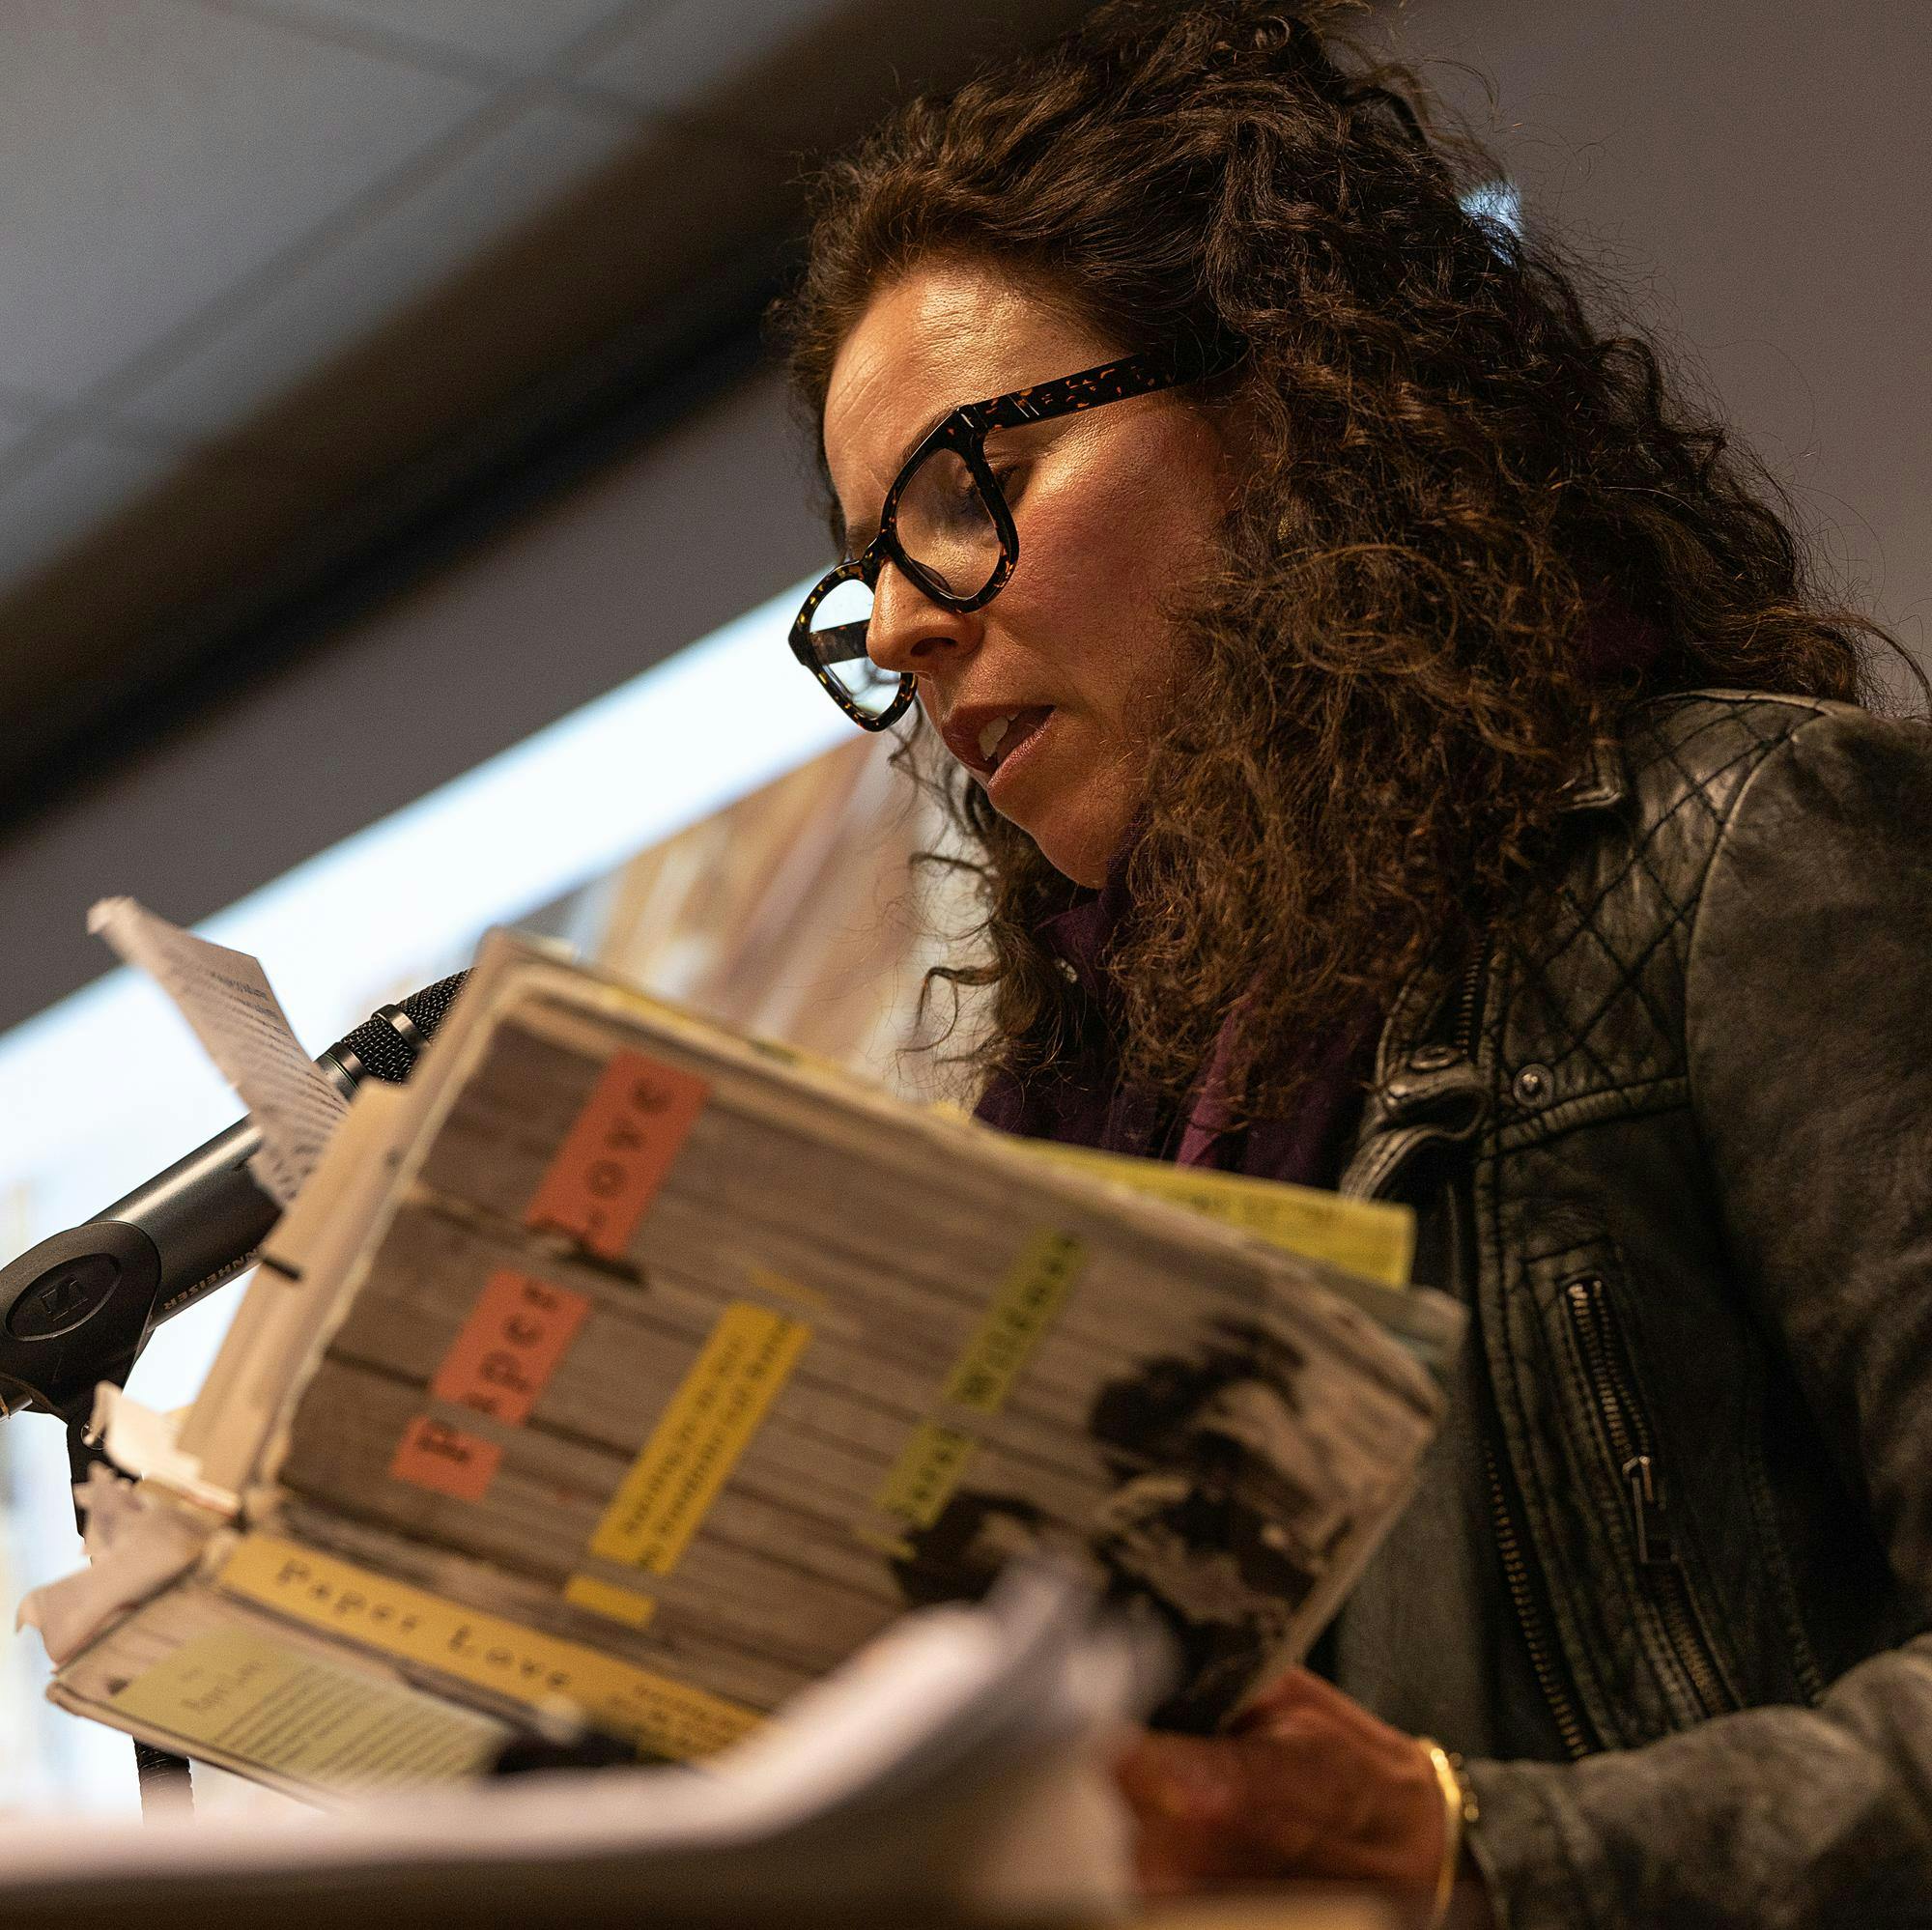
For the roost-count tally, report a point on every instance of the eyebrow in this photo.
(870, 530)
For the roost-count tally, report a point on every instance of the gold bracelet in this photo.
(1459, 1808)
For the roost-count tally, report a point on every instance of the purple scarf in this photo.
(1081, 1103)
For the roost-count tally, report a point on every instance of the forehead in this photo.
(940, 335)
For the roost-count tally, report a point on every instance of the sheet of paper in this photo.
(146, 1444)
(225, 996)
(134, 1547)
(237, 1694)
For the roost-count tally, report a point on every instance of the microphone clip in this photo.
(74, 1310)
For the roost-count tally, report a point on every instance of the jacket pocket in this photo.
(1628, 1438)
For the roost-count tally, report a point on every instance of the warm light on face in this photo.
(1080, 650)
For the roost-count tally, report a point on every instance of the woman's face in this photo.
(1115, 506)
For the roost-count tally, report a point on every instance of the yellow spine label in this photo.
(692, 1449)
(882, 1540)
(926, 1474)
(606, 1598)
(1373, 1238)
(764, 1281)
(1027, 1302)
(665, 1716)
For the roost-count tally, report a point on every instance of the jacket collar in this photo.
(1599, 780)
(1426, 1088)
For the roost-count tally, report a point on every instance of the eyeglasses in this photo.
(945, 523)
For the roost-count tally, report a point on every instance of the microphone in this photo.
(78, 1308)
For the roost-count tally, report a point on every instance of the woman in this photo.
(1402, 746)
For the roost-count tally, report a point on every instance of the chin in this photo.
(1081, 855)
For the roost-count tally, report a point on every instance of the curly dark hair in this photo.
(1477, 522)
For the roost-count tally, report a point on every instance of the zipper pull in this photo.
(1653, 1533)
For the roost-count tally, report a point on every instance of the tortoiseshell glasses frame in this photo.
(964, 432)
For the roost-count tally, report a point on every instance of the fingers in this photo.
(1218, 1809)
(1297, 1700)
(1192, 1801)
(1184, 1808)
(1329, 1793)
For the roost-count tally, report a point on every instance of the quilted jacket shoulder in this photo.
(1591, 1022)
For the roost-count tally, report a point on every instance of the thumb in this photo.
(1184, 1779)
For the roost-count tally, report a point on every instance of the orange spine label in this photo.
(435, 1456)
(614, 1158)
(507, 1350)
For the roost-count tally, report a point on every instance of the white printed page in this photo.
(226, 998)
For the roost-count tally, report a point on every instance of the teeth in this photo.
(989, 737)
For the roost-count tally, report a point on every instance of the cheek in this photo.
(1109, 531)
(1097, 566)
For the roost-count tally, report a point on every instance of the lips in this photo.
(983, 736)
(1023, 725)
(1016, 747)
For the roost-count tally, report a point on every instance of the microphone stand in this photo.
(88, 1292)
(166, 1782)
(78, 1309)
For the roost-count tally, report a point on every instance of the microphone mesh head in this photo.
(430, 1006)
(385, 1054)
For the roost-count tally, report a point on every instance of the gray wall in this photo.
(697, 527)
(1757, 172)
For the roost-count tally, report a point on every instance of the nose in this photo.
(909, 634)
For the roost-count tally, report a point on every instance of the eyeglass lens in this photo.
(945, 527)
(839, 630)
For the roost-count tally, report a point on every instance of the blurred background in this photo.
(400, 521)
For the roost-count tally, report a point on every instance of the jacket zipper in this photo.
(1523, 1598)
(1467, 999)
(1537, 1644)
(1529, 1614)
(1509, 1544)
(1632, 1448)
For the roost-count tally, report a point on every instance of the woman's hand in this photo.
(1305, 1784)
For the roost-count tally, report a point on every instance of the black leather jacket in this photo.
(1672, 1144)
